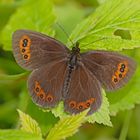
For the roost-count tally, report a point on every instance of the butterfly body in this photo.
(73, 62)
(75, 78)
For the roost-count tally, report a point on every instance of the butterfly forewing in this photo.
(46, 84)
(84, 92)
(32, 49)
(113, 70)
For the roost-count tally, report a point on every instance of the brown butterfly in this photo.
(68, 75)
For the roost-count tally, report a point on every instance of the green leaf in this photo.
(67, 126)
(102, 115)
(11, 78)
(98, 30)
(17, 135)
(34, 15)
(28, 124)
(6, 10)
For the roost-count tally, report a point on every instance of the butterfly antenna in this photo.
(65, 33)
(94, 41)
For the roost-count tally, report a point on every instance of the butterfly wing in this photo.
(84, 92)
(113, 70)
(33, 49)
(45, 84)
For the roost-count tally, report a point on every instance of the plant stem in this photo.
(125, 127)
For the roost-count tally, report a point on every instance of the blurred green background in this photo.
(13, 89)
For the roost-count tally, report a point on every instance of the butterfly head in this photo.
(76, 49)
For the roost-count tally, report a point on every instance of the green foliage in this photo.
(64, 128)
(97, 31)
(17, 135)
(67, 126)
(11, 78)
(32, 15)
(102, 115)
(7, 10)
(28, 124)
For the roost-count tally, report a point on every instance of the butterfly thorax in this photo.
(74, 56)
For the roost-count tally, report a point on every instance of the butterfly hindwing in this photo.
(84, 92)
(45, 84)
(32, 49)
(113, 70)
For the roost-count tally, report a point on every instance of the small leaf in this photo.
(28, 124)
(98, 30)
(14, 134)
(67, 126)
(34, 15)
(11, 78)
(6, 10)
(102, 115)
(59, 110)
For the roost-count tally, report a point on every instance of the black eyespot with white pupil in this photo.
(26, 56)
(121, 69)
(120, 75)
(49, 98)
(115, 80)
(80, 107)
(37, 89)
(87, 104)
(25, 43)
(122, 65)
(41, 96)
(23, 50)
(72, 104)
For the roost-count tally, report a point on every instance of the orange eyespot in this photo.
(121, 71)
(25, 41)
(23, 50)
(72, 104)
(89, 102)
(24, 44)
(120, 75)
(80, 106)
(39, 91)
(123, 68)
(122, 64)
(114, 79)
(49, 98)
(37, 87)
(26, 56)
(41, 95)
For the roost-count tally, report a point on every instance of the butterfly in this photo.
(59, 74)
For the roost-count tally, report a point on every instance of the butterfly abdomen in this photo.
(72, 64)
